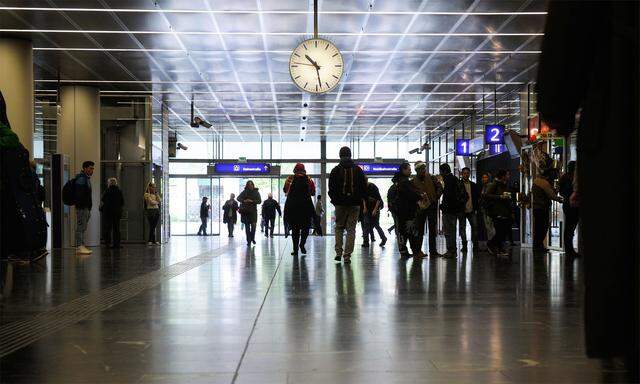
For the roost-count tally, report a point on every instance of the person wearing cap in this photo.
(430, 190)
(347, 191)
(298, 209)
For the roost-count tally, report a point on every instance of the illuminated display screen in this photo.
(379, 169)
(242, 168)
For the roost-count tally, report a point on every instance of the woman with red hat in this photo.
(298, 209)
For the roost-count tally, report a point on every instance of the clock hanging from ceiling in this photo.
(316, 65)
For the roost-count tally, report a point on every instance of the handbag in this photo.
(244, 209)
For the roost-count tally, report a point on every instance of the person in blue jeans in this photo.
(83, 204)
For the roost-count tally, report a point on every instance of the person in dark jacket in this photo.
(347, 190)
(298, 208)
(111, 205)
(230, 213)
(269, 208)
(370, 215)
(596, 71)
(571, 213)
(249, 200)
(430, 190)
(403, 200)
(83, 204)
(451, 208)
(205, 207)
(470, 210)
(542, 194)
(498, 205)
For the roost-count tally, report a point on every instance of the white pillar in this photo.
(16, 84)
(79, 138)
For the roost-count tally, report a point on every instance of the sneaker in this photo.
(253, 241)
(383, 242)
(303, 249)
(82, 250)
(338, 258)
(294, 253)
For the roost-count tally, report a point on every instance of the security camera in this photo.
(415, 150)
(199, 121)
(305, 105)
(304, 117)
(182, 146)
(303, 128)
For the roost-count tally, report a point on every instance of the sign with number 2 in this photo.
(494, 134)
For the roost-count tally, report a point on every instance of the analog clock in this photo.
(316, 66)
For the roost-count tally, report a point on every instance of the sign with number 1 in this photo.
(462, 147)
(494, 134)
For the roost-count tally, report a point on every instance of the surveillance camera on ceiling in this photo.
(198, 121)
(182, 146)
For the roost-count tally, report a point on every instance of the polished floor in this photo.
(209, 310)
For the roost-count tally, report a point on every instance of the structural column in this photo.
(79, 138)
(16, 84)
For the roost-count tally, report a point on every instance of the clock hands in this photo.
(312, 62)
(310, 65)
(318, 72)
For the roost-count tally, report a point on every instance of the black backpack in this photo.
(69, 192)
(393, 198)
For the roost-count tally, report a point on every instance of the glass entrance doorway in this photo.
(186, 194)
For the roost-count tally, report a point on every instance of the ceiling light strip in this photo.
(253, 51)
(265, 12)
(266, 82)
(219, 33)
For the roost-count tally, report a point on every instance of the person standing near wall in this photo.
(205, 207)
(230, 213)
(542, 194)
(347, 190)
(111, 205)
(152, 211)
(83, 204)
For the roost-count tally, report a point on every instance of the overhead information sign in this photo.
(496, 149)
(379, 169)
(494, 134)
(462, 147)
(242, 168)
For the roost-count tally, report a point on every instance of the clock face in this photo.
(316, 66)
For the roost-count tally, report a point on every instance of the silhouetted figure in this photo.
(589, 63)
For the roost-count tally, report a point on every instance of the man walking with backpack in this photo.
(347, 190)
(453, 202)
(83, 203)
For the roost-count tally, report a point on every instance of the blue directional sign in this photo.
(496, 149)
(462, 147)
(379, 168)
(494, 134)
(242, 168)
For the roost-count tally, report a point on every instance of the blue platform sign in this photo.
(463, 147)
(494, 134)
(496, 149)
(379, 168)
(242, 168)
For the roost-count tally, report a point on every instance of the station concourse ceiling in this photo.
(411, 66)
